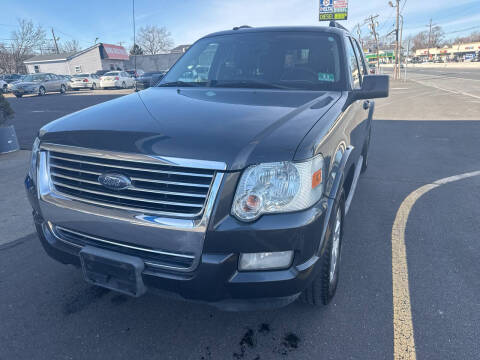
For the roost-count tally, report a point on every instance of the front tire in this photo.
(5, 88)
(323, 288)
(94, 86)
(124, 85)
(63, 89)
(18, 95)
(41, 91)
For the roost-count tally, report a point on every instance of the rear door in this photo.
(359, 109)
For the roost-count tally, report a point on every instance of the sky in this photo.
(188, 20)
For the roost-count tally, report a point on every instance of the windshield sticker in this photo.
(326, 77)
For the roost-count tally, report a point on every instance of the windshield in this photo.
(34, 78)
(112, 73)
(284, 60)
(81, 75)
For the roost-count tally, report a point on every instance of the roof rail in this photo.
(242, 27)
(333, 23)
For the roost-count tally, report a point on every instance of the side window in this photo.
(353, 65)
(199, 68)
(361, 58)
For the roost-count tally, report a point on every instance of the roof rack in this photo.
(242, 27)
(333, 23)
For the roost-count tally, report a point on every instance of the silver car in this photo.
(40, 84)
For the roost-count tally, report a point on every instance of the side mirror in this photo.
(373, 86)
(155, 79)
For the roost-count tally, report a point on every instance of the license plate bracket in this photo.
(114, 271)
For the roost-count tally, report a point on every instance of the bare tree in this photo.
(420, 41)
(70, 46)
(25, 40)
(154, 40)
(7, 64)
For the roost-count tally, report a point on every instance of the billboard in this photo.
(333, 10)
(115, 52)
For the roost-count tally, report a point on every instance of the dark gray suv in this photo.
(227, 183)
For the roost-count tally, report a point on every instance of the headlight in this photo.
(278, 187)
(33, 161)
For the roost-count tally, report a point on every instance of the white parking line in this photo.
(403, 335)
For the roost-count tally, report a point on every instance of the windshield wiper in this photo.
(246, 84)
(178, 83)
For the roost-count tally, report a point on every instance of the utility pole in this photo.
(373, 26)
(400, 47)
(359, 33)
(429, 38)
(397, 25)
(55, 41)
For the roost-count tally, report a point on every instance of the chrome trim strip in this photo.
(126, 197)
(169, 182)
(120, 167)
(134, 188)
(76, 170)
(52, 227)
(153, 159)
(356, 176)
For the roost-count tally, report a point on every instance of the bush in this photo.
(6, 111)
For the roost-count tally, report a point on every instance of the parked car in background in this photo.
(13, 83)
(8, 78)
(99, 73)
(135, 73)
(149, 79)
(39, 84)
(117, 79)
(85, 81)
(3, 86)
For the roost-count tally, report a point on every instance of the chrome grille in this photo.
(152, 258)
(157, 188)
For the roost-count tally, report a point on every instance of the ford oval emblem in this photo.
(114, 181)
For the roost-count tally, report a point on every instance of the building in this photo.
(180, 49)
(97, 57)
(460, 51)
(158, 62)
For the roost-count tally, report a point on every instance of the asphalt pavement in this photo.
(420, 134)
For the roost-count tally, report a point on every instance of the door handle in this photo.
(366, 104)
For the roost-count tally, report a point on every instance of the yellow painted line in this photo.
(403, 336)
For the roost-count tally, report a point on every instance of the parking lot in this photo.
(419, 254)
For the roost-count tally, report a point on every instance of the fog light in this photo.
(265, 260)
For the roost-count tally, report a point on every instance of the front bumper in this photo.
(27, 91)
(215, 278)
(81, 85)
(106, 84)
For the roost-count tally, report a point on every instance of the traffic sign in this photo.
(333, 10)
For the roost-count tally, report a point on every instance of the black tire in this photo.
(41, 91)
(5, 88)
(94, 86)
(63, 89)
(76, 89)
(323, 287)
(124, 85)
(366, 147)
(18, 95)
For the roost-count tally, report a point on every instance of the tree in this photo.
(25, 40)
(70, 46)
(473, 37)
(136, 50)
(420, 41)
(154, 40)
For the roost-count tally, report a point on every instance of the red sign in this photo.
(115, 52)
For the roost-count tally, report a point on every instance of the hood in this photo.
(236, 126)
(27, 83)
